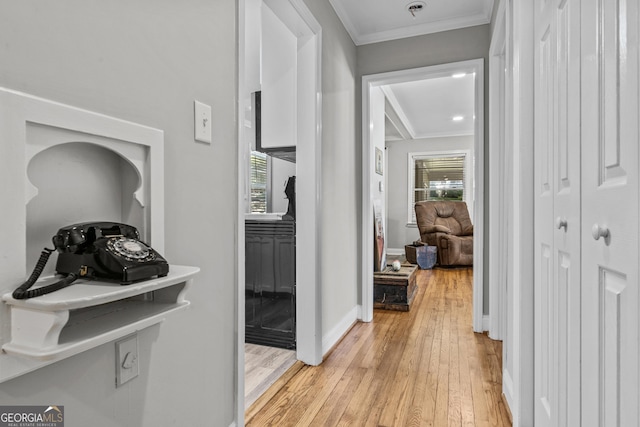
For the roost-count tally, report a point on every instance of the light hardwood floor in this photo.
(425, 367)
(263, 366)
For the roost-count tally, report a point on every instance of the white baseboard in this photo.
(485, 323)
(395, 251)
(338, 331)
(507, 391)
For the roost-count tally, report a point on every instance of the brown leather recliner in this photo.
(447, 225)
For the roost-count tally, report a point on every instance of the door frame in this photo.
(366, 243)
(499, 94)
(518, 319)
(309, 200)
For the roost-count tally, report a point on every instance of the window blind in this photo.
(436, 178)
(258, 171)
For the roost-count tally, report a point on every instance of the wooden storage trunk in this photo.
(394, 290)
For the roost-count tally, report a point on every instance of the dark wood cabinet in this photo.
(270, 274)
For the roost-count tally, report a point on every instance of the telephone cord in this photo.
(23, 293)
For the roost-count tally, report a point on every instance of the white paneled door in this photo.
(610, 213)
(558, 222)
(587, 216)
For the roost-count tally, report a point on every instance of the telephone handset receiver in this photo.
(105, 250)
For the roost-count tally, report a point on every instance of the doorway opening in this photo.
(280, 38)
(373, 132)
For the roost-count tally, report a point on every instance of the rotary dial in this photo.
(130, 249)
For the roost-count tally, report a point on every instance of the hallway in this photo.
(422, 367)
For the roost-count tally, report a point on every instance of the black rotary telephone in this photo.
(106, 250)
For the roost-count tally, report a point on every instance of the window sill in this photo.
(264, 216)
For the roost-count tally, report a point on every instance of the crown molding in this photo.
(344, 18)
(419, 30)
(413, 30)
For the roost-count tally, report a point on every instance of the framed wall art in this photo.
(379, 161)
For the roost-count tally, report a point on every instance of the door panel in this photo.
(613, 305)
(558, 220)
(587, 213)
(544, 336)
(610, 213)
(563, 323)
(543, 262)
(567, 212)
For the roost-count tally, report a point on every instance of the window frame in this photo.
(468, 173)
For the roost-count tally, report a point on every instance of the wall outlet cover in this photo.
(126, 359)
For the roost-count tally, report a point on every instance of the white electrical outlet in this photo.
(202, 122)
(126, 359)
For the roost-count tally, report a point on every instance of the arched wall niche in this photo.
(76, 182)
(48, 147)
(41, 135)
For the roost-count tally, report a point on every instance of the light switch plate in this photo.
(126, 359)
(202, 122)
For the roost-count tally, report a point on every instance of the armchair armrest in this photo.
(439, 229)
(454, 250)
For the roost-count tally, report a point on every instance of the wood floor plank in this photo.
(396, 408)
(480, 406)
(466, 394)
(314, 400)
(428, 402)
(442, 395)
(359, 403)
(424, 367)
(421, 405)
(333, 408)
(365, 405)
(266, 397)
(454, 416)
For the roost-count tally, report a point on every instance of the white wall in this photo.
(146, 61)
(398, 232)
(340, 199)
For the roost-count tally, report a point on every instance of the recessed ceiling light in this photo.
(457, 118)
(458, 75)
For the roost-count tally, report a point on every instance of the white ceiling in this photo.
(425, 108)
(374, 21)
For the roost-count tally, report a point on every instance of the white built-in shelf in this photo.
(90, 313)
(40, 133)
